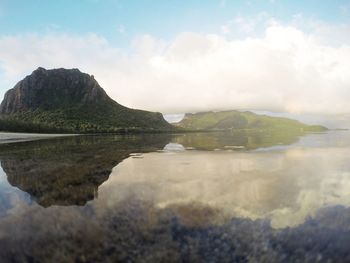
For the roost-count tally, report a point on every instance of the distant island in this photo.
(243, 120)
(69, 101)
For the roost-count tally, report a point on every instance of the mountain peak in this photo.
(40, 69)
(52, 89)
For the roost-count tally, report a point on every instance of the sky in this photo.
(289, 58)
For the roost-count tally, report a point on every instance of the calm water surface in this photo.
(215, 197)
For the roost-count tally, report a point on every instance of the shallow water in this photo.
(12, 137)
(215, 197)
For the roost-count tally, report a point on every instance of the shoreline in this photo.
(13, 137)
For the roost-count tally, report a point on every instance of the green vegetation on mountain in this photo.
(69, 101)
(237, 120)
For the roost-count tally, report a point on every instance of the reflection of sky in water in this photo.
(2, 178)
(11, 198)
(174, 147)
(285, 186)
(186, 198)
(331, 139)
(171, 200)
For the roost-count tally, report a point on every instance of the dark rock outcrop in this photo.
(52, 89)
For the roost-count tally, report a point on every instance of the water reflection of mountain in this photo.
(68, 171)
(236, 139)
(306, 188)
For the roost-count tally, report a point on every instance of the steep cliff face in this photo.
(52, 89)
(68, 99)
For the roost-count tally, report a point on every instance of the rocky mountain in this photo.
(238, 120)
(67, 100)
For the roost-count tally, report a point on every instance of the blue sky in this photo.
(120, 20)
(287, 57)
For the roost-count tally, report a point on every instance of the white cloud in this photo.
(173, 118)
(285, 70)
(225, 29)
